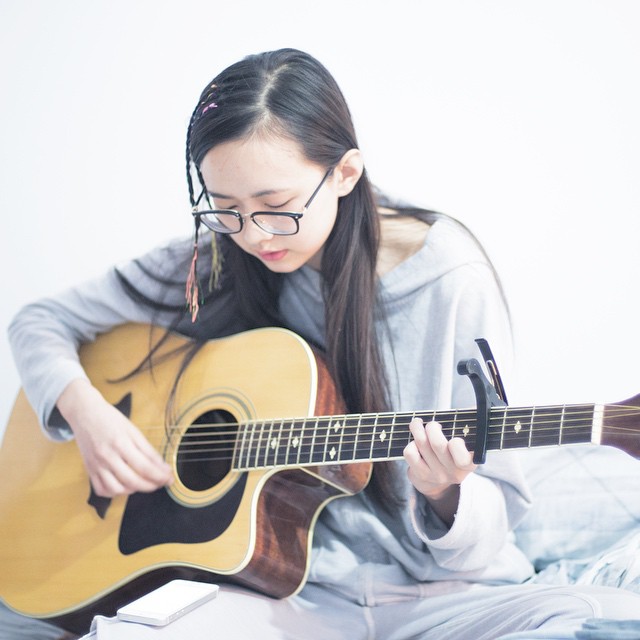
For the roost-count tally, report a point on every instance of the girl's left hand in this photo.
(437, 466)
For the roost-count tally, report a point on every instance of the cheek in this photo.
(237, 238)
(310, 239)
(318, 225)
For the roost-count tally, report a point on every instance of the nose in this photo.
(253, 234)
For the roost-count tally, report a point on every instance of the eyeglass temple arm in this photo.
(315, 193)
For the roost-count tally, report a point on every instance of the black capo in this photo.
(487, 394)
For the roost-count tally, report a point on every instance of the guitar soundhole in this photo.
(205, 452)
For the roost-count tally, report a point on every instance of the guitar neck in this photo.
(383, 436)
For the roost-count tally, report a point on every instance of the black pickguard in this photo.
(156, 518)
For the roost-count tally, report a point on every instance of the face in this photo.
(259, 174)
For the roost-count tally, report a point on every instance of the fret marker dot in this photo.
(274, 443)
(383, 435)
(295, 442)
(517, 427)
(465, 431)
(332, 453)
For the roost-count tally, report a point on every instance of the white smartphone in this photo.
(168, 602)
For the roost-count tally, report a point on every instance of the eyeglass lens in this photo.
(228, 221)
(231, 222)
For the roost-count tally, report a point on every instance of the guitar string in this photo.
(271, 445)
(569, 421)
(225, 442)
(444, 418)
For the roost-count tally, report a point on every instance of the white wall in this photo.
(518, 117)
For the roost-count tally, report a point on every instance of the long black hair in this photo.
(288, 93)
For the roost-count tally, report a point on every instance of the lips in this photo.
(272, 256)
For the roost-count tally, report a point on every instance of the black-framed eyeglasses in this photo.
(279, 223)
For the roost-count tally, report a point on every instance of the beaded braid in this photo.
(192, 291)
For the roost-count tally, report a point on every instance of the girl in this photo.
(289, 232)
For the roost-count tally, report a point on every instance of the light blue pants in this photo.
(515, 612)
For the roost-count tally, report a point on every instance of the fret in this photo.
(239, 446)
(290, 437)
(410, 418)
(546, 423)
(497, 427)
(281, 450)
(343, 428)
(309, 440)
(323, 426)
(430, 416)
(516, 429)
(379, 444)
(244, 449)
(372, 435)
(366, 434)
(271, 446)
(577, 424)
(250, 428)
(295, 441)
(320, 431)
(392, 430)
(384, 435)
(335, 429)
(409, 434)
(250, 445)
(469, 421)
(319, 440)
(458, 424)
(301, 444)
(466, 427)
(257, 448)
(356, 439)
(348, 437)
(266, 449)
(401, 434)
(533, 413)
(448, 420)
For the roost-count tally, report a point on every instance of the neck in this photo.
(383, 436)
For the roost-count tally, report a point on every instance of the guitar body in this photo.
(68, 555)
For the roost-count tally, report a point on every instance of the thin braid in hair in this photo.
(192, 289)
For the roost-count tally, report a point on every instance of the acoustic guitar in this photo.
(259, 443)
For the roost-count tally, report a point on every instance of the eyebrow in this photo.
(257, 194)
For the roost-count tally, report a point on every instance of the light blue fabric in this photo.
(586, 499)
(602, 629)
(479, 613)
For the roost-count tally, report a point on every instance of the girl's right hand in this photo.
(117, 456)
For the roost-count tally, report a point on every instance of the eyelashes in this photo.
(264, 206)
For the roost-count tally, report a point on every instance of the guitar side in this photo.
(63, 559)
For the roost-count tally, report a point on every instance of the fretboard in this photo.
(383, 436)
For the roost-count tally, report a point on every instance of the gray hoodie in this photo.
(436, 303)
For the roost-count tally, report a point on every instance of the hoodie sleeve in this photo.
(45, 335)
(495, 497)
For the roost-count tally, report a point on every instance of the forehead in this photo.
(253, 164)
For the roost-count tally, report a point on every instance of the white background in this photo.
(521, 118)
